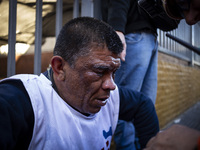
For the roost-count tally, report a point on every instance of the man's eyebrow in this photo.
(102, 67)
(105, 68)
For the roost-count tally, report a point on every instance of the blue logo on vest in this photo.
(107, 134)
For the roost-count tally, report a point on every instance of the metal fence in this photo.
(189, 34)
(91, 8)
(87, 9)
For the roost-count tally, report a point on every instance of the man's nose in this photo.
(108, 83)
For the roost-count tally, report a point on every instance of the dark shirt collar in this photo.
(49, 75)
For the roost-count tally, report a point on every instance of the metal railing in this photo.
(87, 9)
(190, 34)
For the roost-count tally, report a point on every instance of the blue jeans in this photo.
(138, 72)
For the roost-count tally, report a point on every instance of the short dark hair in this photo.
(79, 35)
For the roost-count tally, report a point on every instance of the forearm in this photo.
(175, 137)
(138, 108)
(146, 122)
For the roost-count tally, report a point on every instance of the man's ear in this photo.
(57, 64)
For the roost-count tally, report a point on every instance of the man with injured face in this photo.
(75, 104)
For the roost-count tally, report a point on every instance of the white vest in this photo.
(57, 126)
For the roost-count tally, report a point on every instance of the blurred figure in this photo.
(183, 9)
(177, 137)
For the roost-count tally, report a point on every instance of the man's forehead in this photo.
(102, 53)
(100, 56)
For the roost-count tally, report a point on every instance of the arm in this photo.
(138, 108)
(16, 116)
(173, 138)
(122, 37)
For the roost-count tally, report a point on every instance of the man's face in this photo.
(87, 85)
(191, 10)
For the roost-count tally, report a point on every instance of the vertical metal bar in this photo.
(170, 41)
(59, 16)
(174, 46)
(11, 37)
(162, 39)
(97, 9)
(87, 8)
(38, 38)
(192, 42)
(158, 37)
(76, 9)
(167, 43)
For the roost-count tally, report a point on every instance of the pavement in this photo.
(190, 117)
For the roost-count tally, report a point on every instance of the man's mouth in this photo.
(102, 101)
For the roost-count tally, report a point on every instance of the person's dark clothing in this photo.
(124, 16)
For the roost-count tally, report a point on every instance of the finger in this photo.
(148, 148)
(150, 143)
(123, 55)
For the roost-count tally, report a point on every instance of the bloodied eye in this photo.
(100, 74)
(100, 70)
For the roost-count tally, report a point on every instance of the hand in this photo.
(122, 37)
(177, 137)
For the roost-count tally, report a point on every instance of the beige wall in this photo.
(25, 63)
(178, 88)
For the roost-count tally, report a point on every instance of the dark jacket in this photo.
(124, 16)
